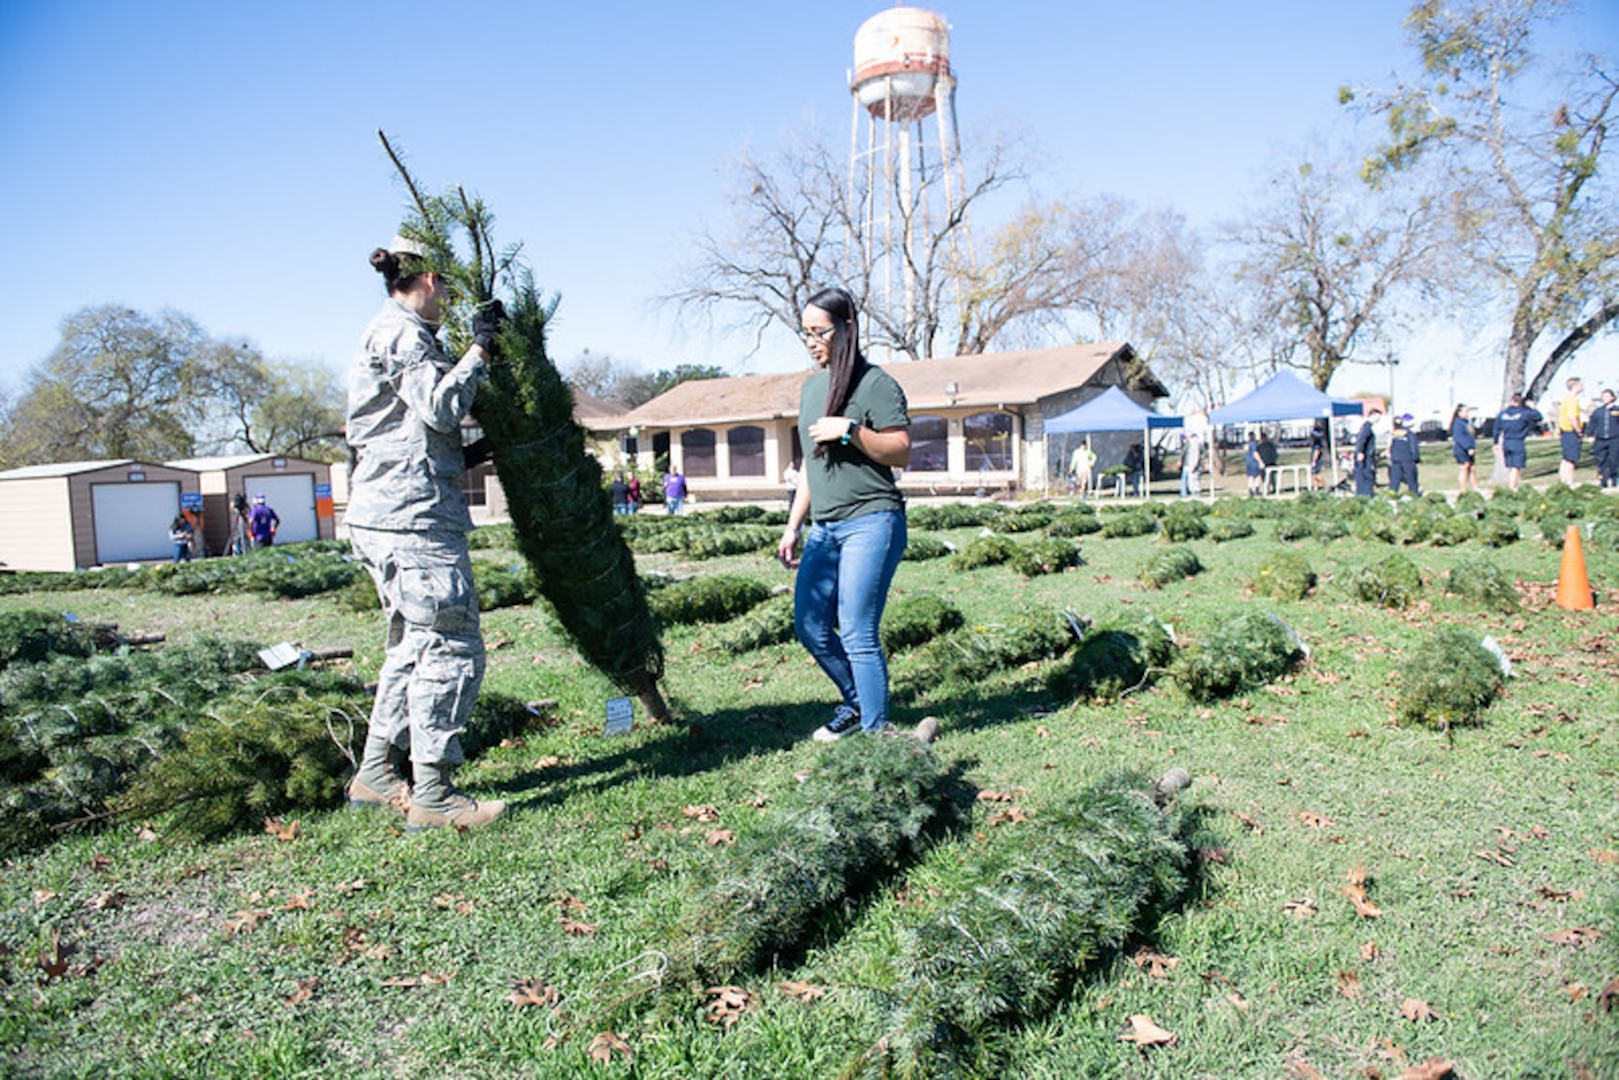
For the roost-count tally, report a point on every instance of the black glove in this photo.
(475, 453)
(486, 324)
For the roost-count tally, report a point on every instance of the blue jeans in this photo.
(843, 580)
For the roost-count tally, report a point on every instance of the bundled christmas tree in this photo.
(1247, 650)
(561, 512)
(1450, 681)
(1059, 893)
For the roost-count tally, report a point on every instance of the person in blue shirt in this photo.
(1252, 464)
(1366, 457)
(1603, 427)
(1404, 454)
(1513, 425)
(1464, 447)
(263, 523)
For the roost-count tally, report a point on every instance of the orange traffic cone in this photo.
(1573, 587)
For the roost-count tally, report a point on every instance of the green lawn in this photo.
(1489, 856)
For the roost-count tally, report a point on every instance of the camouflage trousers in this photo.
(435, 658)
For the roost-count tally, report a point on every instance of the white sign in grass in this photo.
(620, 716)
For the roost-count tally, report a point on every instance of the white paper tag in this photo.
(620, 716)
(279, 656)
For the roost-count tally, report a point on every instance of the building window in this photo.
(930, 446)
(989, 441)
(697, 447)
(747, 450)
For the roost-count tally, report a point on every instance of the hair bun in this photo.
(385, 263)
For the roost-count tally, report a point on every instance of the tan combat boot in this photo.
(378, 782)
(436, 803)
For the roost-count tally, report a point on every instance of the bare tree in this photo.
(1325, 264)
(1520, 151)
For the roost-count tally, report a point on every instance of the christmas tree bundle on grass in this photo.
(1117, 654)
(1027, 518)
(711, 599)
(923, 548)
(972, 653)
(1077, 520)
(952, 516)
(916, 619)
(984, 551)
(770, 623)
(30, 637)
(1127, 523)
(1045, 903)
(1171, 564)
(561, 513)
(1450, 680)
(1233, 529)
(1045, 556)
(1295, 526)
(1286, 575)
(1483, 581)
(1181, 524)
(1496, 529)
(1394, 583)
(286, 570)
(1246, 651)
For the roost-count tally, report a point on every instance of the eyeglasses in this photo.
(816, 333)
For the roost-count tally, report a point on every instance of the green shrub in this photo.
(771, 623)
(1127, 523)
(1118, 653)
(984, 551)
(1286, 575)
(1171, 564)
(921, 548)
(1230, 529)
(1178, 526)
(1394, 582)
(1247, 650)
(915, 619)
(1045, 556)
(711, 599)
(1449, 680)
(1482, 580)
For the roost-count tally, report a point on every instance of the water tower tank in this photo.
(900, 55)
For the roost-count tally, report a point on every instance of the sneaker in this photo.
(844, 721)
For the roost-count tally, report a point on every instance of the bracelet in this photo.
(847, 435)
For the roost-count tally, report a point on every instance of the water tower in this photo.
(905, 172)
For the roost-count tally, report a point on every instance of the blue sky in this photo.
(221, 159)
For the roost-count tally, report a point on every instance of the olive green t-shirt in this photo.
(845, 483)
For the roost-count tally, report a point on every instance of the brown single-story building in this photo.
(977, 422)
(78, 514)
(297, 489)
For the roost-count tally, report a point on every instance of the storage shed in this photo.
(78, 514)
(297, 489)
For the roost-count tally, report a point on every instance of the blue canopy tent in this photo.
(1113, 410)
(1285, 396)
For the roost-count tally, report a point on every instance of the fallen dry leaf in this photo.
(728, 1006)
(1299, 1069)
(1349, 985)
(44, 896)
(426, 978)
(1500, 858)
(1252, 823)
(245, 922)
(1370, 951)
(1608, 1000)
(704, 813)
(107, 901)
(145, 834)
(1363, 907)
(719, 837)
(1575, 936)
(1605, 856)
(1575, 991)
(299, 901)
(526, 992)
(1417, 1011)
(549, 761)
(575, 928)
(1301, 908)
(1014, 816)
(802, 991)
(1432, 1069)
(993, 796)
(305, 990)
(604, 1046)
(1157, 965)
(1143, 1032)
(1313, 820)
(285, 832)
(53, 964)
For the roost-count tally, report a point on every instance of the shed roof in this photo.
(223, 462)
(990, 379)
(63, 468)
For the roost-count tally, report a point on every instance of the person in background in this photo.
(674, 491)
(241, 538)
(1253, 466)
(408, 523)
(1513, 425)
(634, 484)
(1570, 430)
(789, 476)
(1081, 464)
(855, 416)
(1267, 458)
(1189, 465)
(1134, 463)
(1404, 454)
(1318, 453)
(263, 523)
(621, 495)
(182, 533)
(1603, 427)
(1366, 456)
(1464, 447)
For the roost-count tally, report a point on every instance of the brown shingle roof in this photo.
(991, 379)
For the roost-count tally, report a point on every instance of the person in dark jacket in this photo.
(1464, 447)
(1252, 465)
(1318, 452)
(1134, 459)
(1404, 453)
(1366, 457)
(1513, 425)
(1603, 427)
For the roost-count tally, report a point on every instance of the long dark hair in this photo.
(845, 362)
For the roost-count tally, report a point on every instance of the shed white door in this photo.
(132, 520)
(292, 497)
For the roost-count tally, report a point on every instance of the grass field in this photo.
(1487, 858)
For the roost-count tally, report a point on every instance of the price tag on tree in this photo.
(620, 716)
